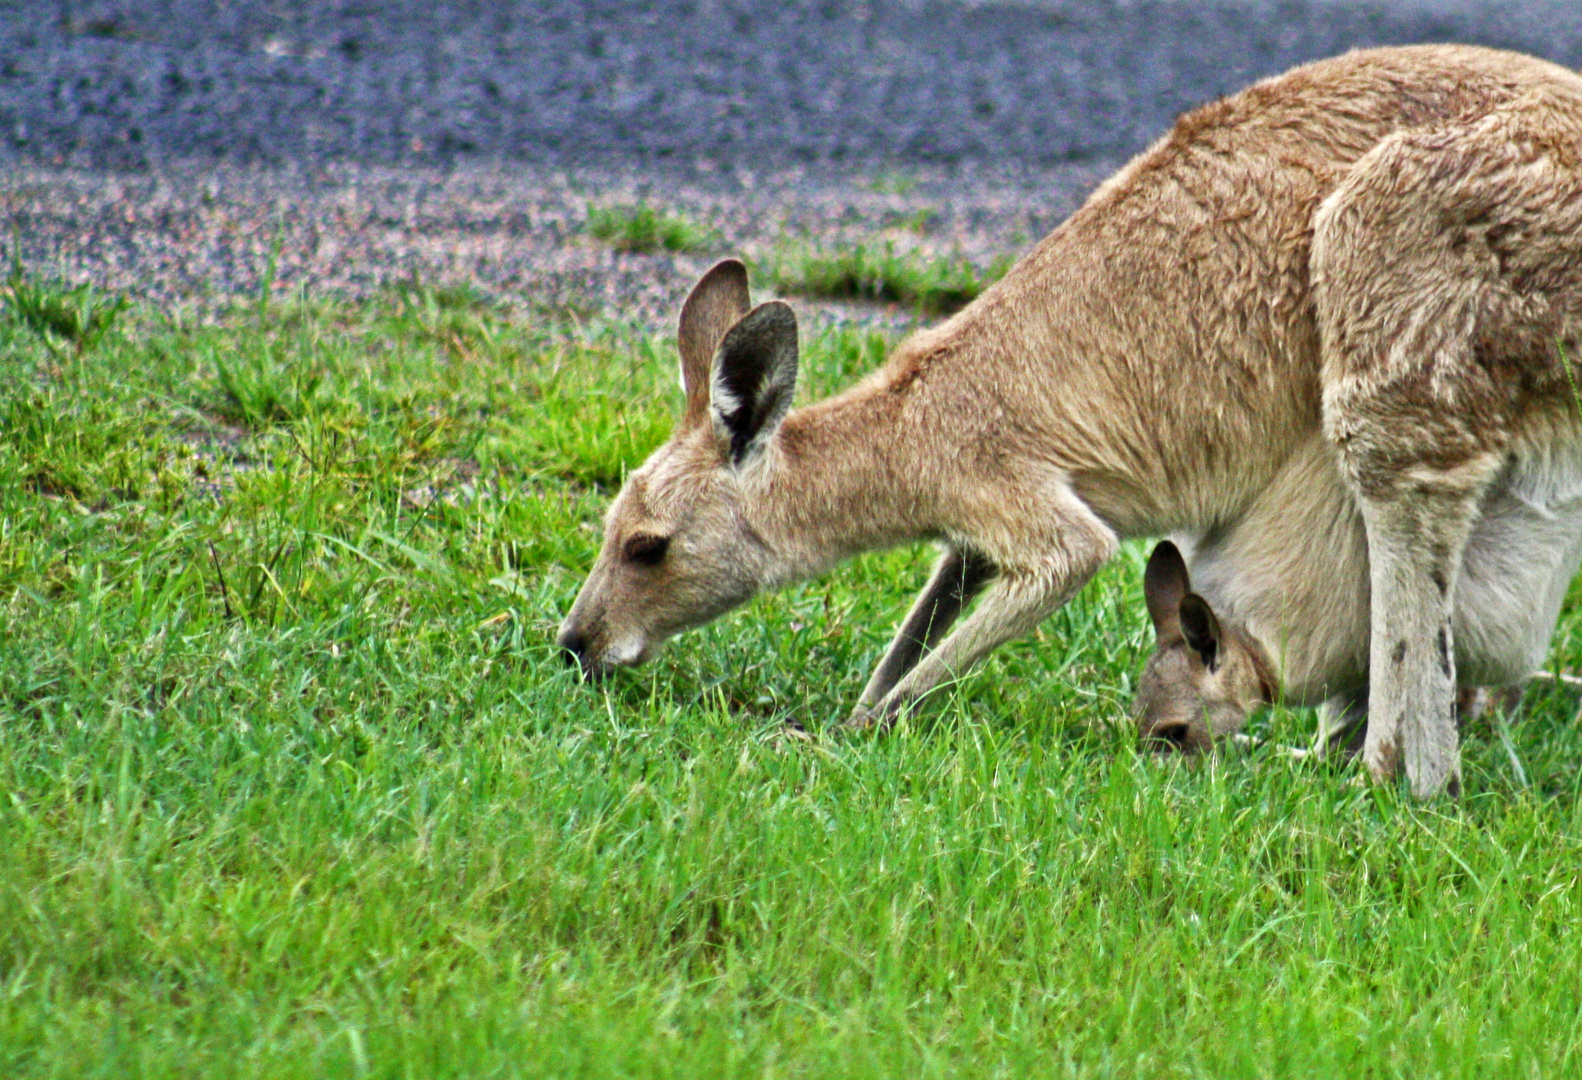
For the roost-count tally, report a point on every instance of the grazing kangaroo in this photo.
(1373, 262)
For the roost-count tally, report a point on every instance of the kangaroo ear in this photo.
(1201, 629)
(754, 379)
(718, 299)
(1165, 582)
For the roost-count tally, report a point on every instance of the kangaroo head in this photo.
(1205, 676)
(680, 547)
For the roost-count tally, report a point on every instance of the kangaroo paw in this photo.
(863, 718)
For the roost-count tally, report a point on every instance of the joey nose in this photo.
(1170, 737)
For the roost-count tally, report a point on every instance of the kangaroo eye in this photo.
(647, 550)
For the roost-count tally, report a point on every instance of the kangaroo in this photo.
(1376, 259)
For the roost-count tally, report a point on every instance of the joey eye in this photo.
(646, 550)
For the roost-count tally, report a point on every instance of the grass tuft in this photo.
(642, 228)
(932, 286)
(74, 318)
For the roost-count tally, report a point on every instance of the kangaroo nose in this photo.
(573, 645)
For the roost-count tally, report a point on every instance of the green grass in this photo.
(293, 785)
(642, 228)
(878, 273)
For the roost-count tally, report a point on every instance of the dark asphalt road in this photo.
(130, 83)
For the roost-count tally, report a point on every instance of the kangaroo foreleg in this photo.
(957, 579)
(1015, 599)
(1011, 606)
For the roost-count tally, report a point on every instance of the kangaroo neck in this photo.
(841, 477)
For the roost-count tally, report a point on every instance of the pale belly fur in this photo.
(1293, 571)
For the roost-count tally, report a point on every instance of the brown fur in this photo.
(1370, 250)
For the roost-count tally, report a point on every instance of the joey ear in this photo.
(718, 299)
(754, 379)
(1201, 629)
(1165, 582)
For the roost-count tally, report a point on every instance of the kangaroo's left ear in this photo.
(716, 302)
(1165, 582)
(753, 379)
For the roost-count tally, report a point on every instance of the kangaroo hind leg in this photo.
(1447, 277)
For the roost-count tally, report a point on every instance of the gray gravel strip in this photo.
(134, 83)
